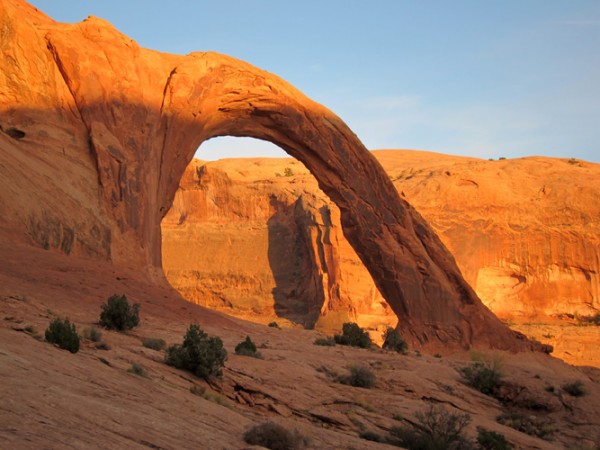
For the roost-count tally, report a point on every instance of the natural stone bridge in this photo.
(147, 112)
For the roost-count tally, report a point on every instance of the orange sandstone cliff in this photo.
(97, 133)
(245, 238)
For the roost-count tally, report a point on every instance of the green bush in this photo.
(154, 343)
(485, 374)
(360, 376)
(64, 334)
(274, 437)
(436, 429)
(247, 348)
(199, 353)
(574, 389)
(325, 342)
(490, 440)
(393, 341)
(354, 336)
(273, 325)
(92, 334)
(117, 314)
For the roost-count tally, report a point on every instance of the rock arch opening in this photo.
(224, 147)
(256, 238)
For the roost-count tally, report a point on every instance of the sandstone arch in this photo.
(146, 113)
(413, 270)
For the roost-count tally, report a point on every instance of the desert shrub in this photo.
(64, 334)
(588, 320)
(154, 343)
(199, 353)
(527, 424)
(247, 348)
(273, 325)
(574, 389)
(490, 440)
(117, 314)
(370, 435)
(435, 429)
(393, 341)
(331, 373)
(209, 394)
(353, 335)
(32, 330)
(359, 376)
(139, 370)
(274, 437)
(102, 346)
(288, 172)
(484, 375)
(92, 334)
(325, 342)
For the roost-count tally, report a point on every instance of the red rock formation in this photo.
(524, 232)
(248, 241)
(144, 113)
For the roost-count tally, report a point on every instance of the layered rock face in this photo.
(116, 125)
(244, 238)
(525, 233)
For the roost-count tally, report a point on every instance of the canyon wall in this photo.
(245, 238)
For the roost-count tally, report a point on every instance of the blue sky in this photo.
(476, 78)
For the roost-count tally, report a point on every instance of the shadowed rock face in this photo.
(143, 114)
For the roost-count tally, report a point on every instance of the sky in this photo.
(477, 78)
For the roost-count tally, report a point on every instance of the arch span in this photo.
(147, 113)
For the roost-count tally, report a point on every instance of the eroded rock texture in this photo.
(524, 232)
(245, 239)
(118, 125)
